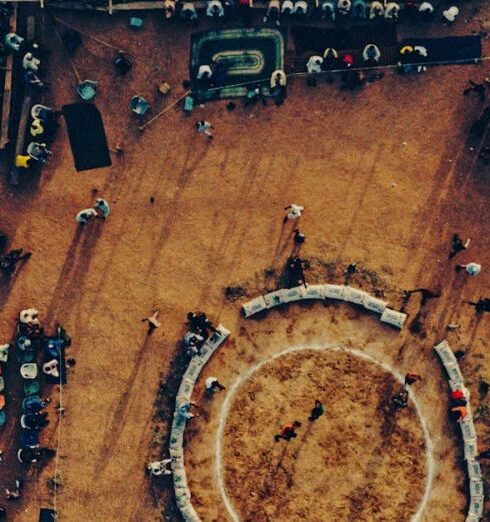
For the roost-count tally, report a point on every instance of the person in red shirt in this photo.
(287, 431)
(410, 378)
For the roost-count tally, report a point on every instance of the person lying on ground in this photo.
(153, 322)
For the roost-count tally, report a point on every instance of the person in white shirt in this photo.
(287, 7)
(101, 206)
(426, 7)
(328, 10)
(473, 269)
(13, 41)
(204, 71)
(169, 9)
(84, 216)
(300, 7)
(391, 11)
(451, 14)
(376, 10)
(160, 467)
(343, 7)
(215, 9)
(212, 385)
(371, 53)
(314, 64)
(188, 12)
(273, 11)
(29, 316)
(294, 212)
(31, 62)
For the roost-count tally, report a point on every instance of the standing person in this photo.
(313, 66)
(317, 411)
(212, 385)
(458, 413)
(287, 431)
(30, 62)
(153, 322)
(204, 127)
(294, 212)
(84, 216)
(482, 305)
(411, 378)
(457, 245)
(473, 269)
(102, 208)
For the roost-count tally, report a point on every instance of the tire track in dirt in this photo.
(113, 431)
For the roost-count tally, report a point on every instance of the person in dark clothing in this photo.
(483, 455)
(288, 431)
(411, 378)
(299, 238)
(457, 245)
(317, 411)
(122, 64)
(400, 400)
(71, 40)
(7, 264)
(478, 88)
(200, 324)
(296, 272)
(482, 305)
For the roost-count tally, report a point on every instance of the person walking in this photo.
(212, 385)
(294, 212)
(317, 411)
(153, 322)
(457, 245)
(84, 216)
(298, 238)
(473, 269)
(411, 378)
(204, 127)
(102, 208)
(287, 431)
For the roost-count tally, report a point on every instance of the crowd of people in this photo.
(335, 11)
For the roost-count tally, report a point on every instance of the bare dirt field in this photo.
(386, 177)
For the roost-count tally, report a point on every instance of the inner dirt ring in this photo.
(219, 464)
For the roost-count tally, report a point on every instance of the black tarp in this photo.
(450, 49)
(87, 136)
(317, 39)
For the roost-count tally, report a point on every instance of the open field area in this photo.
(386, 177)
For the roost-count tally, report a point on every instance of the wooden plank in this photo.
(7, 89)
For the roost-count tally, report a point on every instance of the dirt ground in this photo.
(359, 461)
(386, 177)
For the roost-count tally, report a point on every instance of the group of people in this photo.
(288, 431)
(330, 10)
(199, 329)
(100, 209)
(42, 131)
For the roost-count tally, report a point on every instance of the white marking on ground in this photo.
(231, 393)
